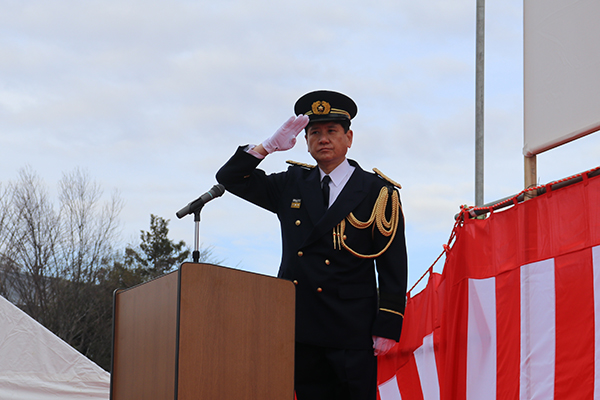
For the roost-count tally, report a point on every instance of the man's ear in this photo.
(350, 135)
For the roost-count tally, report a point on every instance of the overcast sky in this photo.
(152, 97)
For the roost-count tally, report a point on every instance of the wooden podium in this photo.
(204, 332)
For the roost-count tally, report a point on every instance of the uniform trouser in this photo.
(323, 373)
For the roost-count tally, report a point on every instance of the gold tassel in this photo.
(386, 227)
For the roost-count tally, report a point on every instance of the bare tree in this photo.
(6, 288)
(84, 250)
(54, 261)
(88, 228)
(30, 233)
(60, 265)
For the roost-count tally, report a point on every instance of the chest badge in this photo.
(296, 203)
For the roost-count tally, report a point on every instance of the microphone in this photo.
(213, 193)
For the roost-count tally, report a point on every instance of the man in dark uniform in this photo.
(337, 222)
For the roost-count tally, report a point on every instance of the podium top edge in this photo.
(192, 265)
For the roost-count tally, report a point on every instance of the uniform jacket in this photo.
(338, 301)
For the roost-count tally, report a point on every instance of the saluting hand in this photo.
(285, 137)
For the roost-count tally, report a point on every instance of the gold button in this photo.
(319, 290)
(327, 262)
(298, 223)
(344, 237)
(295, 282)
(300, 254)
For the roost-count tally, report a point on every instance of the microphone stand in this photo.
(196, 252)
(195, 207)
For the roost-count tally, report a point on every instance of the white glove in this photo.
(285, 137)
(382, 345)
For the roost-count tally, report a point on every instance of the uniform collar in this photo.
(339, 174)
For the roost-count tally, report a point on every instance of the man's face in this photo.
(328, 143)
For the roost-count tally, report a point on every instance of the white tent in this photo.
(35, 364)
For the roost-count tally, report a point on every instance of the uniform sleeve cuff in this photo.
(249, 150)
(388, 325)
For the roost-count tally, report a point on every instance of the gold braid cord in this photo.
(386, 227)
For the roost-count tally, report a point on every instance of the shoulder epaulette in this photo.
(385, 178)
(303, 165)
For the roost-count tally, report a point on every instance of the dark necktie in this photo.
(325, 189)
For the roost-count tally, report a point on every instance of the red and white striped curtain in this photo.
(513, 315)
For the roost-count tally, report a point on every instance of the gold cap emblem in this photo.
(321, 107)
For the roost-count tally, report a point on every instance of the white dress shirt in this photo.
(339, 177)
